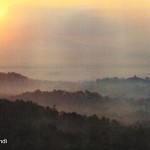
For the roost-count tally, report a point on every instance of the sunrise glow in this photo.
(105, 4)
(107, 33)
(3, 10)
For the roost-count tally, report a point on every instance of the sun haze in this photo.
(108, 4)
(109, 38)
(3, 10)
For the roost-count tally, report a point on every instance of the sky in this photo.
(75, 40)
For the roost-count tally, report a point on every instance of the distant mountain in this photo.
(83, 102)
(130, 79)
(12, 83)
(133, 87)
(136, 79)
(11, 76)
(124, 99)
(88, 103)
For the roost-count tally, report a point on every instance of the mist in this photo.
(74, 44)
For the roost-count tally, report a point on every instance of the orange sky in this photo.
(104, 32)
(110, 4)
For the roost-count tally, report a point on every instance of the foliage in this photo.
(28, 126)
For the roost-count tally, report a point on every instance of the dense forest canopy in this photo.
(29, 126)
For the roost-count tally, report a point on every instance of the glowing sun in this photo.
(3, 11)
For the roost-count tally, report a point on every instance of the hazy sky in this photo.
(75, 39)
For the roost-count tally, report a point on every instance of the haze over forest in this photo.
(124, 99)
(75, 74)
(76, 40)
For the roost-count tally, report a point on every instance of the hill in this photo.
(28, 126)
(133, 87)
(88, 103)
(12, 83)
(83, 102)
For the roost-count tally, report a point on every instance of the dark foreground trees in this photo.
(28, 126)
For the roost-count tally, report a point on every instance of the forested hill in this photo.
(134, 87)
(82, 102)
(12, 76)
(28, 126)
(87, 103)
(12, 83)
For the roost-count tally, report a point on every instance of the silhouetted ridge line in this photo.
(27, 125)
(12, 76)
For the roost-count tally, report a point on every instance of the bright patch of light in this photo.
(3, 11)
